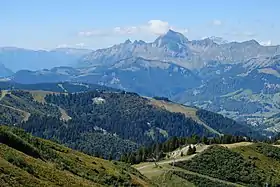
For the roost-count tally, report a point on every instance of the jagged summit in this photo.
(251, 42)
(172, 35)
(128, 41)
(171, 39)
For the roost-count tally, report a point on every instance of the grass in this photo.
(169, 179)
(270, 166)
(29, 161)
(236, 145)
(187, 111)
(166, 175)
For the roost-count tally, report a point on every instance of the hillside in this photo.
(4, 72)
(237, 79)
(238, 164)
(107, 123)
(29, 161)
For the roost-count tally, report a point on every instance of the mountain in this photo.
(30, 161)
(73, 51)
(131, 74)
(23, 59)
(176, 48)
(4, 72)
(218, 40)
(125, 121)
(236, 79)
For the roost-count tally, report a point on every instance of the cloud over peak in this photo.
(152, 27)
(266, 43)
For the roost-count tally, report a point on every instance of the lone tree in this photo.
(191, 150)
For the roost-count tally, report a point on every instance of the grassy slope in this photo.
(30, 161)
(187, 111)
(269, 165)
(166, 175)
(25, 107)
(257, 154)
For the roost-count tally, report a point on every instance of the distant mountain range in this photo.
(238, 79)
(5, 72)
(17, 59)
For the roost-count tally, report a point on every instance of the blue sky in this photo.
(47, 24)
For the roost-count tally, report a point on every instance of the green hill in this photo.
(225, 165)
(253, 165)
(107, 122)
(29, 161)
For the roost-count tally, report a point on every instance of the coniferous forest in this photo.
(106, 123)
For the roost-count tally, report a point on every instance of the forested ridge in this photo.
(225, 125)
(101, 122)
(159, 151)
(253, 165)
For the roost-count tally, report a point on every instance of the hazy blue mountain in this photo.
(18, 59)
(238, 79)
(57, 74)
(4, 72)
(176, 48)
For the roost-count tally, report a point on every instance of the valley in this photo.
(236, 79)
(93, 121)
(139, 94)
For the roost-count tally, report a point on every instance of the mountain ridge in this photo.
(198, 72)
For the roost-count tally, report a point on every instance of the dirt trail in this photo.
(25, 114)
(169, 161)
(205, 176)
(150, 170)
(163, 167)
(234, 145)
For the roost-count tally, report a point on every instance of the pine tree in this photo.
(194, 149)
(190, 150)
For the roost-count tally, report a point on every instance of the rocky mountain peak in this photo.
(128, 41)
(251, 43)
(171, 37)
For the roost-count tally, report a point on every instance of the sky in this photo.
(93, 24)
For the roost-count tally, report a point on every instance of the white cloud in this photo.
(93, 33)
(125, 30)
(158, 27)
(245, 34)
(248, 34)
(154, 27)
(217, 22)
(80, 45)
(266, 43)
(62, 46)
